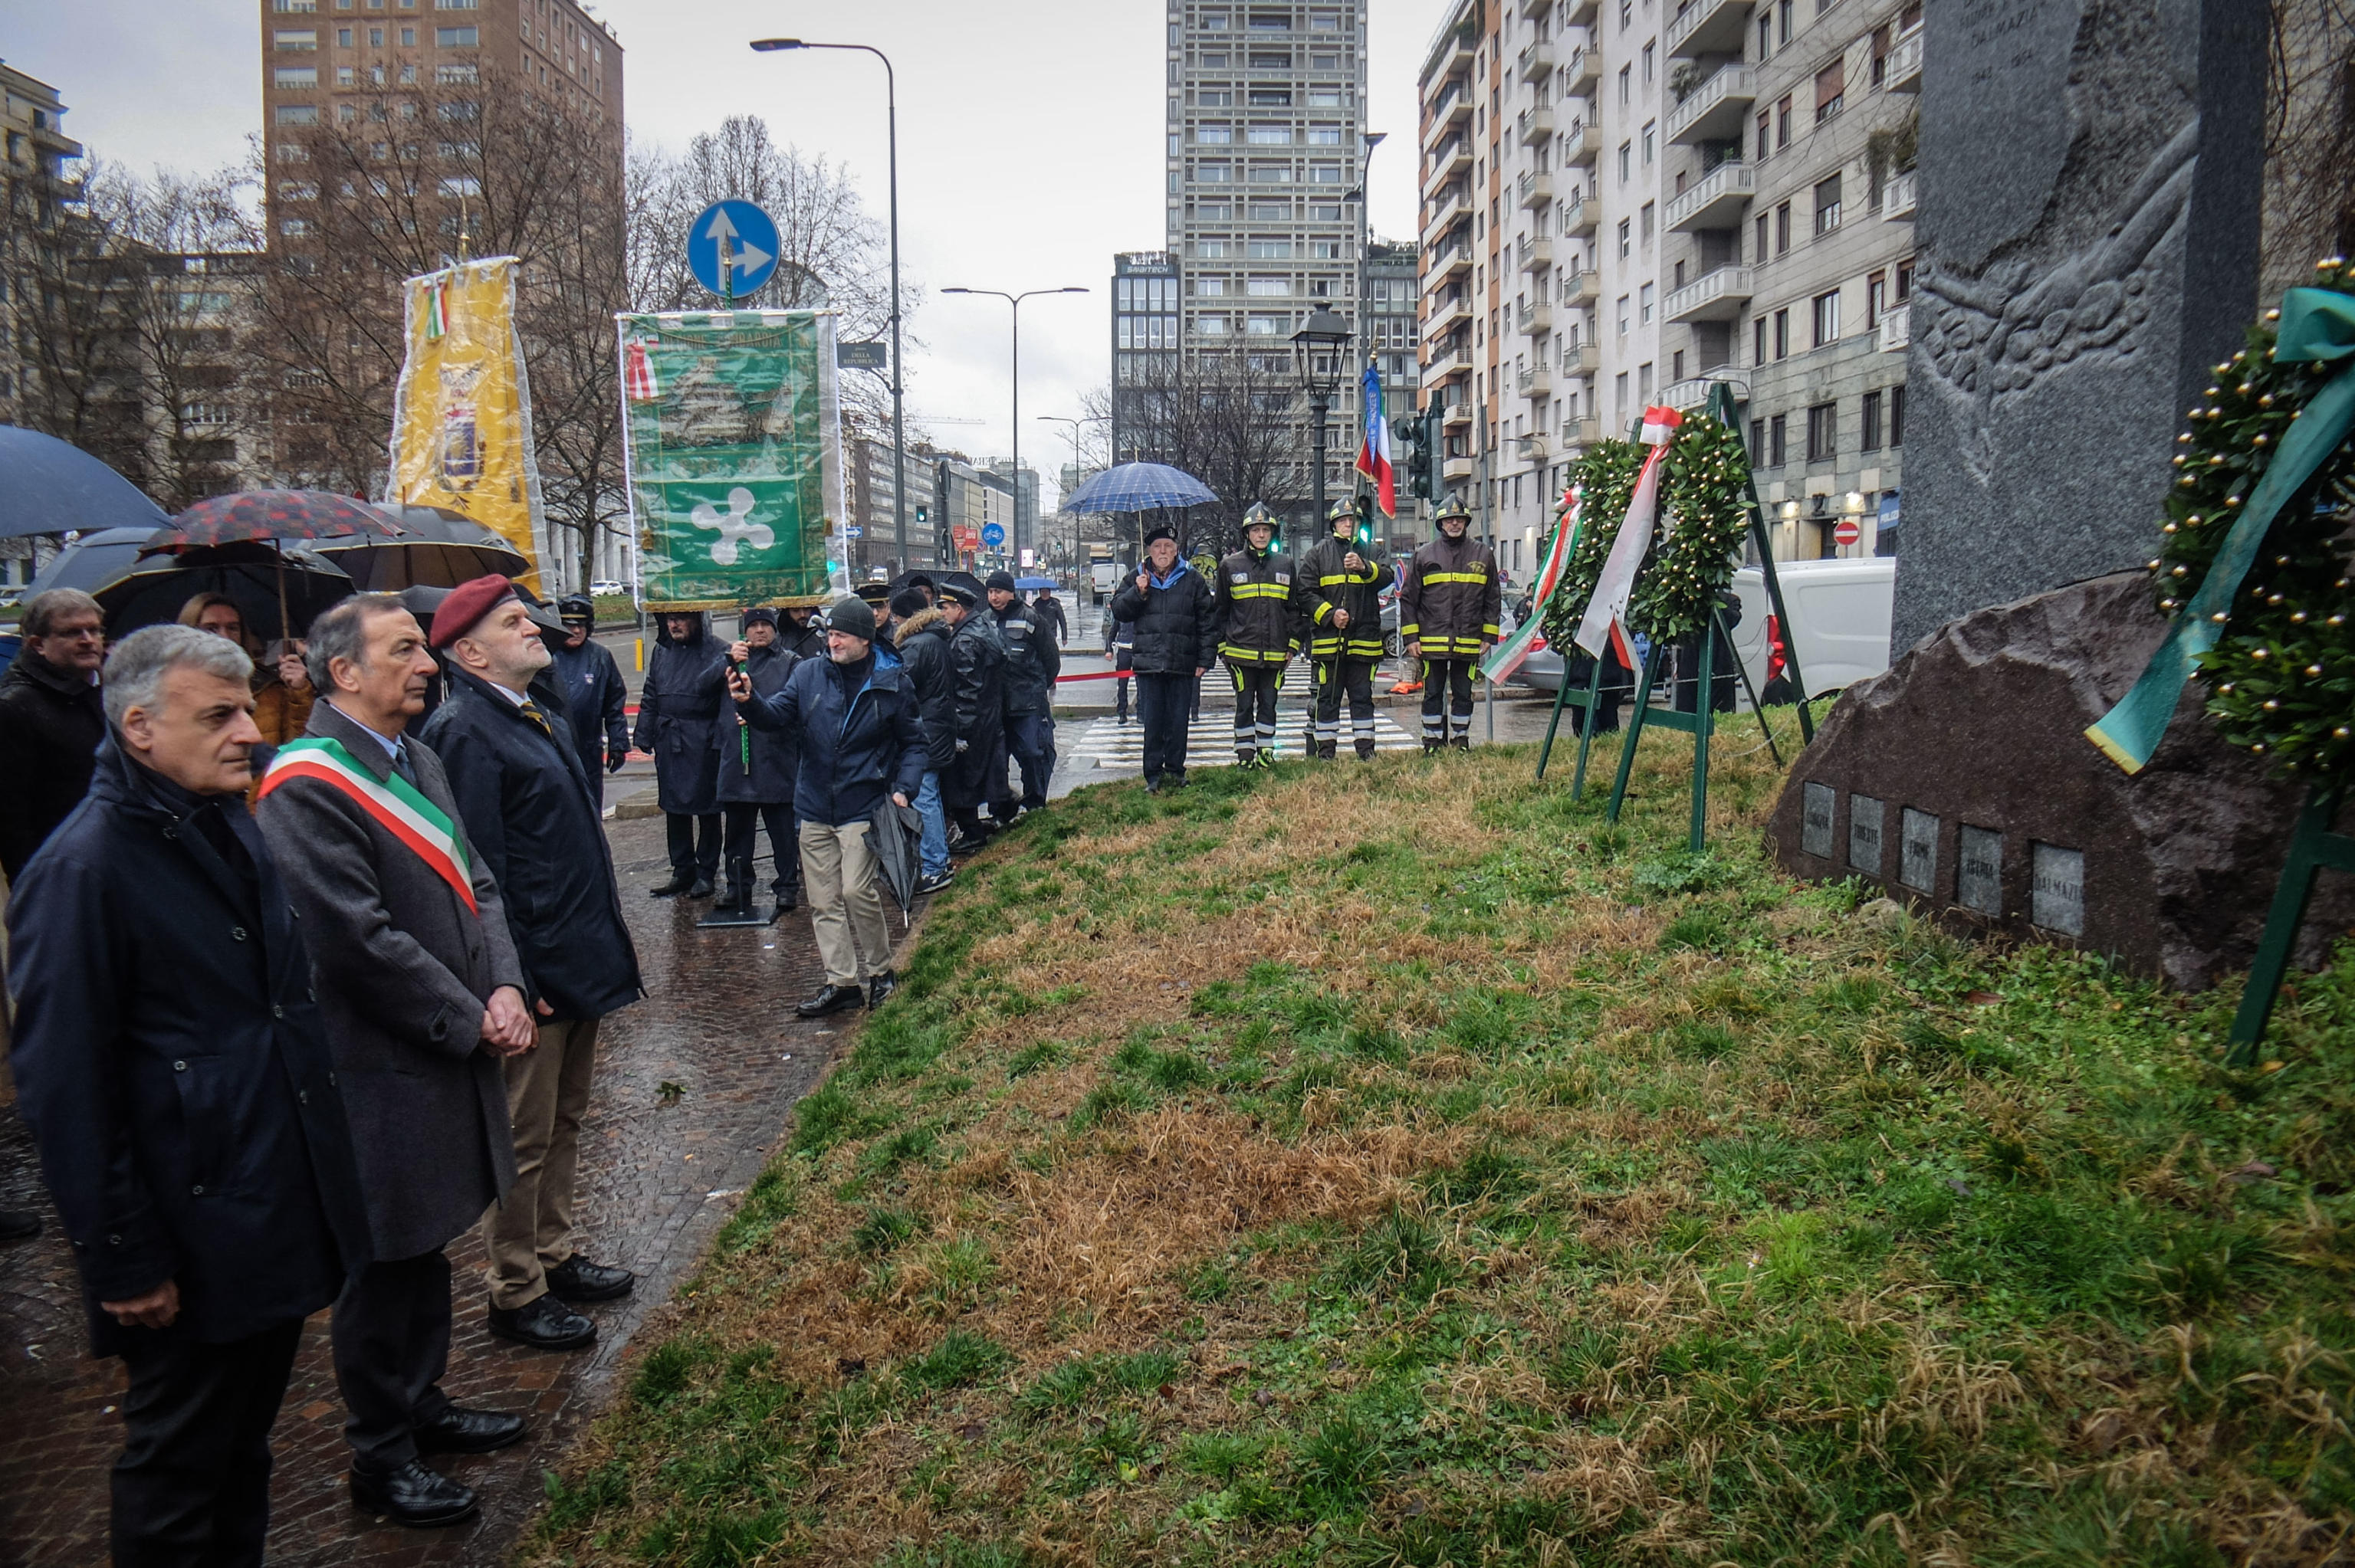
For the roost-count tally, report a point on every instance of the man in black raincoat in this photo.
(1032, 663)
(756, 775)
(977, 684)
(678, 726)
(585, 673)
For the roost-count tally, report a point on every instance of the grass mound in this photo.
(1395, 1164)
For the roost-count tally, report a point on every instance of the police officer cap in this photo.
(960, 587)
(576, 607)
(875, 593)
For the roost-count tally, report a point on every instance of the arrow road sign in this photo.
(732, 247)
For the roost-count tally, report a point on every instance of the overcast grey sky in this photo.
(1029, 142)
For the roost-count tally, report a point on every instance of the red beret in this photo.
(467, 604)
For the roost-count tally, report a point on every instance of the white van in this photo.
(1840, 612)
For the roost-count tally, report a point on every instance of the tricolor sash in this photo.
(1605, 622)
(1530, 636)
(398, 806)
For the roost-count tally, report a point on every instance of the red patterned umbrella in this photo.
(271, 514)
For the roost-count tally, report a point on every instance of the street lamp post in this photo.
(1016, 300)
(1075, 434)
(898, 378)
(1320, 344)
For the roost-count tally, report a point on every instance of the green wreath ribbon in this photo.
(2317, 326)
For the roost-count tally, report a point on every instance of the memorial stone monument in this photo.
(2088, 229)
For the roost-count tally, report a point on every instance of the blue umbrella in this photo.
(1139, 487)
(1026, 584)
(92, 561)
(48, 486)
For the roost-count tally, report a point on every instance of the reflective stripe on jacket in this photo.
(1450, 599)
(1325, 587)
(1255, 610)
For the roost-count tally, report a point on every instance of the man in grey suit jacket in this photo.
(421, 992)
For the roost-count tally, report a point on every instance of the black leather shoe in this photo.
(457, 1431)
(879, 990)
(701, 888)
(19, 1225)
(830, 999)
(414, 1495)
(788, 898)
(544, 1324)
(674, 887)
(578, 1280)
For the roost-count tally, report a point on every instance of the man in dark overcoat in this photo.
(679, 727)
(977, 694)
(422, 995)
(595, 699)
(177, 1076)
(536, 827)
(50, 720)
(756, 776)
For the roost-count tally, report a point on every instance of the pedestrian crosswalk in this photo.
(1210, 739)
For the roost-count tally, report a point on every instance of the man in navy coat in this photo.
(172, 1062)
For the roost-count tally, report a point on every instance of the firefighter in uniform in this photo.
(1447, 618)
(1340, 597)
(1258, 633)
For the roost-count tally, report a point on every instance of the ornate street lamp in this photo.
(1318, 350)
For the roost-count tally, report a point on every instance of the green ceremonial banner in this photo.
(734, 432)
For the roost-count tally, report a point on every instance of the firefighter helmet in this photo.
(1344, 510)
(1259, 516)
(1453, 507)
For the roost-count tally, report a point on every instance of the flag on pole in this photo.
(1606, 612)
(1374, 453)
(1530, 636)
(437, 310)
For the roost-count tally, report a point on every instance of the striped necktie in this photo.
(531, 710)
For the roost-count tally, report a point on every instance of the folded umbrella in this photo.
(49, 486)
(895, 832)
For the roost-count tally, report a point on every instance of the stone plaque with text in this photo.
(1819, 801)
(1978, 871)
(1917, 860)
(2056, 898)
(1864, 834)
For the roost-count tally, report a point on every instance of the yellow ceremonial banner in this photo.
(462, 414)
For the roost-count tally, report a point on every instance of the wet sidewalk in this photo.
(658, 1178)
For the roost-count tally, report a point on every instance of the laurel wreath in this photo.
(1703, 487)
(2282, 680)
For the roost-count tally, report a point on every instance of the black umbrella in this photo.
(895, 832)
(49, 486)
(92, 561)
(389, 565)
(252, 575)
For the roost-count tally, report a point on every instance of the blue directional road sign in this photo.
(732, 247)
(992, 534)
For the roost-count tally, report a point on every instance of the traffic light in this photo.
(1406, 430)
(1365, 535)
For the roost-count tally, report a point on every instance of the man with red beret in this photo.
(532, 814)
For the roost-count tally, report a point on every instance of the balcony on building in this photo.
(1534, 9)
(1896, 195)
(1582, 143)
(1717, 296)
(1534, 316)
(1582, 289)
(1580, 217)
(1694, 391)
(1531, 449)
(1537, 60)
(1581, 433)
(1456, 470)
(1450, 359)
(1457, 412)
(1905, 64)
(1536, 188)
(1536, 125)
(1450, 159)
(1448, 208)
(1536, 252)
(1716, 202)
(1448, 261)
(1713, 111)
(1708, 27)
(1896, 329)
(1447, 314)
(1581, 357)
(1583, 72)
(1454, 108)
(1534, 381)
(1579, 12)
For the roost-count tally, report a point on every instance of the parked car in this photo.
(1839, 614)
(610, 590)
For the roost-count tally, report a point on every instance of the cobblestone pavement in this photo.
(658, 1179)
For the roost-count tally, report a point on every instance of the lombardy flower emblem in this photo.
(735, 526)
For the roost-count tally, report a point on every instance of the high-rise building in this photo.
(1145, 346)
(1603, 229)
(35, 201)
(1266, 159)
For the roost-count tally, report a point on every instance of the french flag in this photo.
(1374, 454)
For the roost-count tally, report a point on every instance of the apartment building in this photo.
(870, 492)
(1626, 201)
(1144, 348)
(1264, 176)
(365, 63)
(1793, 207)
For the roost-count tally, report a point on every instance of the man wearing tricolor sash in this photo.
(422, 995)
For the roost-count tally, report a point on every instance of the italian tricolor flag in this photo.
(1374, 453)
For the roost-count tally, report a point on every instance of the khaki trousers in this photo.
(839, 876)
(530, 1231)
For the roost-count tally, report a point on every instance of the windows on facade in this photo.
(1831, 84)
(1828, 205)
(1647, 216)
(1897, 415)
(1868, 437)
(1622, 316)
(1782, 229)
(1624, 244)
(1827, 318)
(1782, 334)
(1645, 303)
(1823, 432)
(1777, 441)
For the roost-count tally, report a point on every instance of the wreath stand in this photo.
(1698, 723)
(2313, 847)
